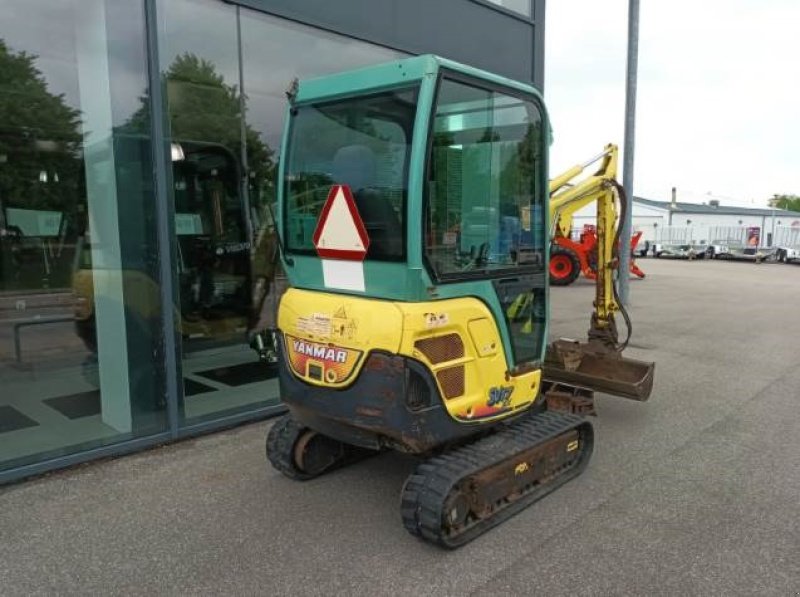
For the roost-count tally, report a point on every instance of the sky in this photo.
(718, 104)
(718, 109)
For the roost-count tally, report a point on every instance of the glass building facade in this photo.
(138, 148)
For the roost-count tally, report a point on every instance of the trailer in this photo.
(738, 242)
(787, 244)
(678, 242)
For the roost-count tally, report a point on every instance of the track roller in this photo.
(455, 497)
(301, 453)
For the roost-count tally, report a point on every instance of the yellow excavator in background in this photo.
(413, 218)
(583, 366)
(569, 257)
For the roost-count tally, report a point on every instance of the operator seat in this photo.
(355, 166)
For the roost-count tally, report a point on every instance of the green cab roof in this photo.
(393, 74)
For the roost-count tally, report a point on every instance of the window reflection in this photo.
(79, 335)
(81, 347)
(229, 283)
(521, 6)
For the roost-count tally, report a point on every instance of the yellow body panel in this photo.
(335, 332)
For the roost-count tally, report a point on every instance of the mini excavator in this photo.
(413, 219)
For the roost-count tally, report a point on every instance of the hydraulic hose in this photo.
(623, 212)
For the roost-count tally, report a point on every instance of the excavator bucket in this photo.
(591, 367)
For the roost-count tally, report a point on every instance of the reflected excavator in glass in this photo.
(223, 260)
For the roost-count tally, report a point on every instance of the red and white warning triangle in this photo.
(340, 232)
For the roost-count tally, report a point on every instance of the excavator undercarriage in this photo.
(460, 492)
(452, 498)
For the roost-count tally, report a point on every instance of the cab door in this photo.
(485, 228)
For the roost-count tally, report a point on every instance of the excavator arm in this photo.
(597, 364)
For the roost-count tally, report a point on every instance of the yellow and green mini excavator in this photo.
(413, 218)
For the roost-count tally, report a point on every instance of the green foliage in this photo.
(790, 202)
(204, 108)
(521, 171)
(39, 136)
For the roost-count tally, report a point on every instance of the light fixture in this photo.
(176, 152)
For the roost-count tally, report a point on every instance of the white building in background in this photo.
(700, 222)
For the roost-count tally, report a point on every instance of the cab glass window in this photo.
(484, 212)
(363, 143)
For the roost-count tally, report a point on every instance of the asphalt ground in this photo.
(695, 492)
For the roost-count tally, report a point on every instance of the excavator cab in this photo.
(412, 210)
(447, 170)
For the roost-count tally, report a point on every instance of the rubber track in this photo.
(427, 488)
(281, 440)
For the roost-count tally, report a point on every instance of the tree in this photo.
(790, 202)
(521, 171)
(202, 107)
(40, 139)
